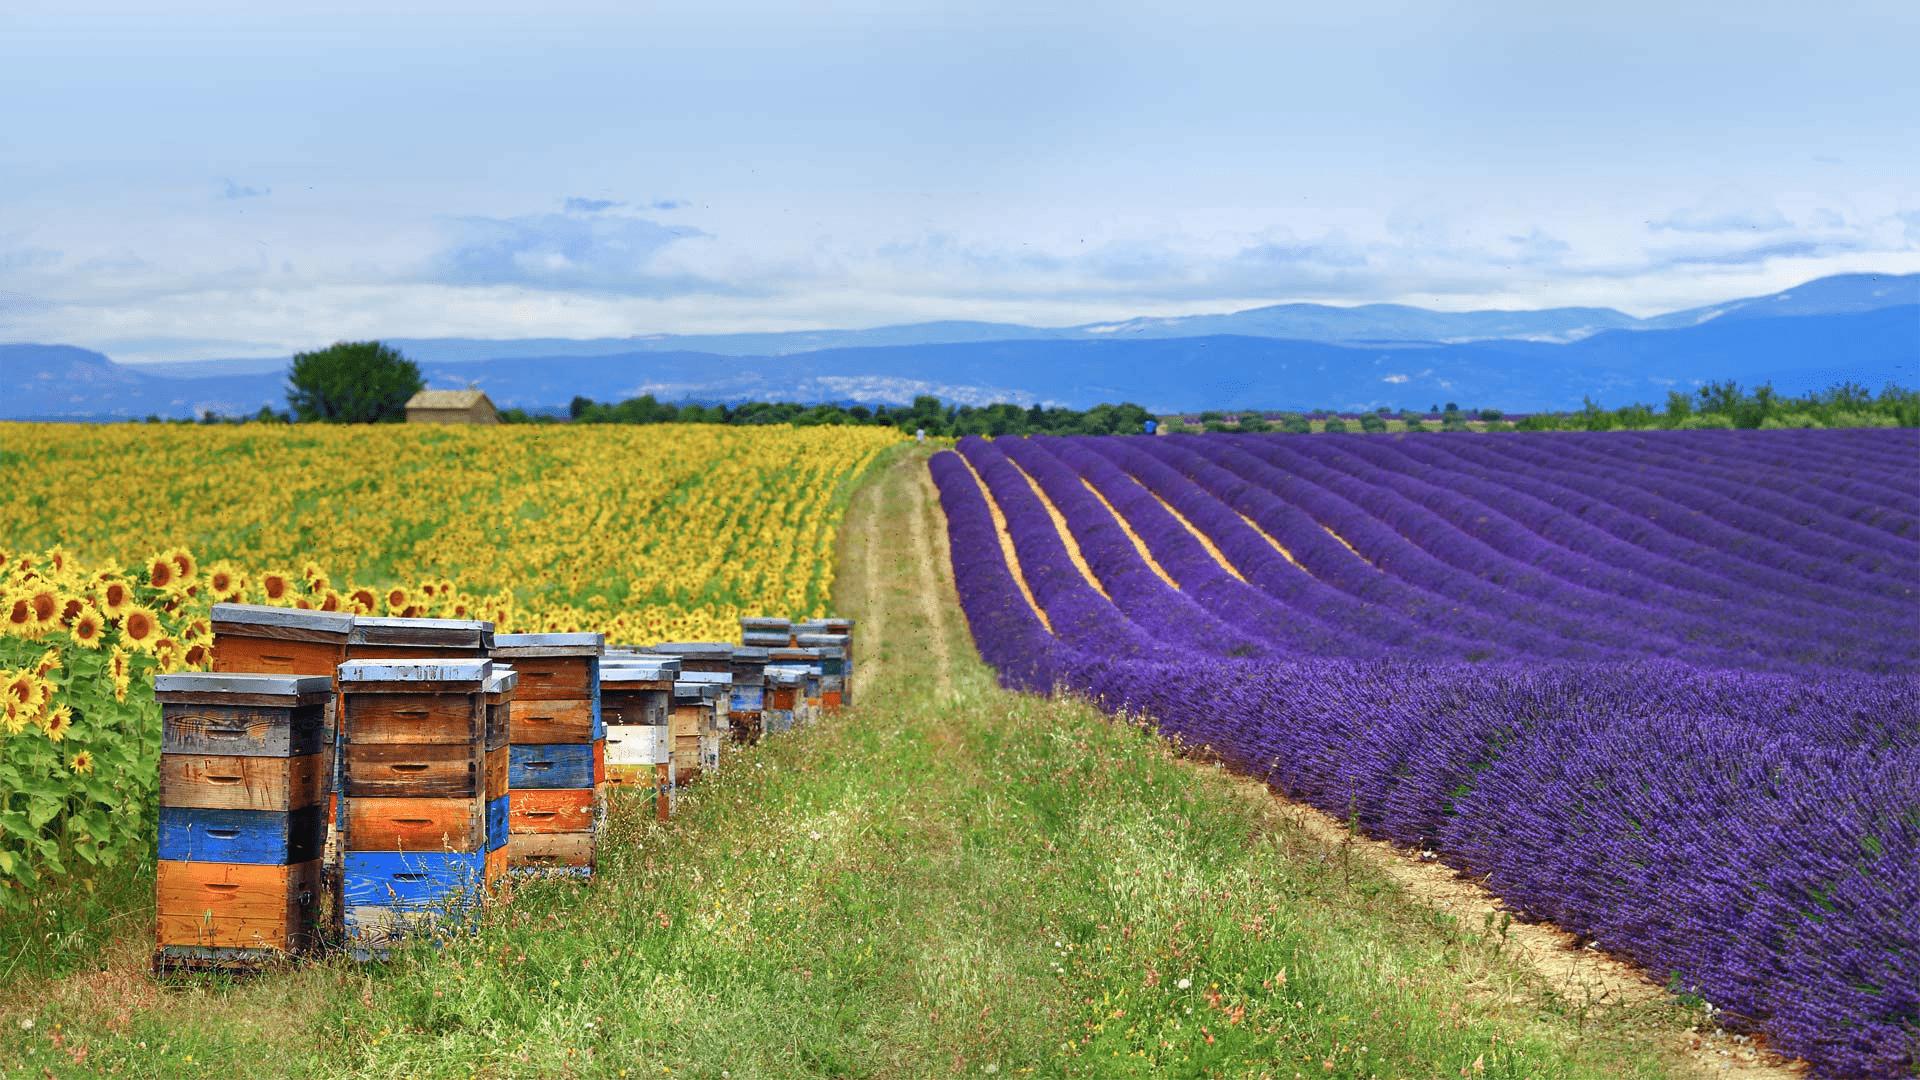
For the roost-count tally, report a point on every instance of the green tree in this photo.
(1335, 425)
(352, 382)
(1372, 422)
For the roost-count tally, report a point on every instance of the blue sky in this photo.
(216, 181)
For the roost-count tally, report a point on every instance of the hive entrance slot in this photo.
(223, 834)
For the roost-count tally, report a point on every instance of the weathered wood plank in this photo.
(544, 721)
(249, 652)
(567, 765)
(243, 730)
(551, 811)
(237, 782)
(549, 678)
(417, 769)
(241, 836)
(416, 824)
(414, 718)
(552, 850)
(226, 905)
(411, 878)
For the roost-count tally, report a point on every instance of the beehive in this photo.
(710, 656)
(716, 720)
(843, 628)
(785, 687)
(832, 649)
(766, 633)
(557, 767)
(242, 818)
(636, 700)
(413, 741)
(693, 709)
(748, 695)
(806, 707)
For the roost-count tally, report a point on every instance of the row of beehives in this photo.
(365, 779)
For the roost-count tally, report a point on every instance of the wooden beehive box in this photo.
(688, 724)
(413, 736)
(785, 687)
(636, 698)
(709, 656)
(242, 818)
(390, 638)
(716, 722)
(833, 667)
(557, 766)
(807, 702)
(748, 694)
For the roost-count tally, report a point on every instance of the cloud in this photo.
(1759, 253)
(598, 252)
(1395, 379)
(1722, 221)
(237, 191)
(667, 204)
(578, 205)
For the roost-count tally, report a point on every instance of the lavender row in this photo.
(1769, 855)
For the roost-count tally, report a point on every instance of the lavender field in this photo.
(1662, 689)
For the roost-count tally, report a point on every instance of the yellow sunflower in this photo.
(316, 578)
(140, 629)
(330, 601)
(49, 663)
(116, 597)
(20, 620)
(46, 604)
(88, 629)
(275, 586)
(182, 561)
(13, 719)
(396, 598)
(224, 581)
(167, 652)
(24, 690)
(58, 558)
(364, 601)
(161, 572)
(58, 722)
(119, 663)
(81, 762)
(197, 657)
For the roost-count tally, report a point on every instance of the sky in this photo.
(218, 181)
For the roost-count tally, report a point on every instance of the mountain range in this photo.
(1859, 327)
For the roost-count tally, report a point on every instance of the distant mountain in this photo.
(54, 381)
(1864, 328)
(1837, 295)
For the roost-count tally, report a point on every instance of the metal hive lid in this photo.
(241, 682)
(693, 648)
(549, 644)
(763, 622)
(392, 630)
(337, 623)
(502, 680)
(475, 671)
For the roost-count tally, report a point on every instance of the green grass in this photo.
(946, 880)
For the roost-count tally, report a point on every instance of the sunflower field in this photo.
(116, 540)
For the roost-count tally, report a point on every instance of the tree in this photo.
(352, 382)
(1336, 425)
(1372, 422)
(1253, 423)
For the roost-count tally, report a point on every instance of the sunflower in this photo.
(275, 586)
(24, 691)
(197, 657)
(58, 558)
(224, 581)
(13, 719)
(119, 663)
(58, 722)
(396, 598)
(198, 628)
(70, 609)
(88, 629)
(161, 572)
(140, 629)
(330, 601)
(316, 578)
(116, 597)
(182, 561)
(46, 604)
(49, 663)
(364, 601)
(20, 618)
(120, 687)
(81, 762)
(167, 652)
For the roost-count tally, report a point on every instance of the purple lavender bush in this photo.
(1661, 688)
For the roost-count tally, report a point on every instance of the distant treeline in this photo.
(927, 413)
(1715, 405)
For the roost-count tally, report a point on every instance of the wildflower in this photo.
(141, 628)
(1185, 984)
(161, 572)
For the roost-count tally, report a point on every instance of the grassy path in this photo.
(946, 880)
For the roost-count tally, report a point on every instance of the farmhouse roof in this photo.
(446, 399)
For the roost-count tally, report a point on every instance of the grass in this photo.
(946, 880)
